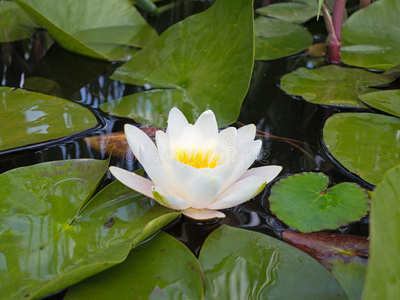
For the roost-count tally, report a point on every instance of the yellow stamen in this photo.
(198, 159)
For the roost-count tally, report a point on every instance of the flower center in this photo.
(197, 158)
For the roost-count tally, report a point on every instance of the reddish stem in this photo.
(334, 42)
(364, 3)
(337, 17)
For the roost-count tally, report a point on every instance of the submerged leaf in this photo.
(364, 143)
(305, 202)
(41, 251)
(371, 36)
(30, 118)
(208, 69)
(387, 101)
(162, 267)
(241, 264)
(383, 277)
(277, 38)
(98, 28)
(332, 85)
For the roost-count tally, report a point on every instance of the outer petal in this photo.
(133, 181)
(268, 172)
(203, 214)
(164, 151)
(238, 193)
(137, 139)
(246, 134)
(176, 121)
(227, 143)
(244, 158)
(203, 190)
(207, 124)
(173, 202)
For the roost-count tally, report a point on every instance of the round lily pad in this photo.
(387, 101)
(278, 38)
(296, 12)
(305, 202)
(332, 85)
(364, 143)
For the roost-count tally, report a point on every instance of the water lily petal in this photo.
(173, 202)
(239, 192)
(138, 183)
(245, 156)
(176, 121)
(136, 139)
(162, 141)
(202, 191)
(268, 172)
(246, 134)
(227, 143)
(203, 214)
(207, 124)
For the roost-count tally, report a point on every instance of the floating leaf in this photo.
(394, 72)
(151, 107)
(387, 101)
(30, 118)
(115, 144)
(204, 74)
(15, 23)
(305, 202)
(338, 253)
(160, 268)
(364, 143)
(298, 11)
(332, 85)
(96, 28)
(371, 36)
(241, 264)
(317, 50)
(383, 277)
(277, 38)
(41, 251)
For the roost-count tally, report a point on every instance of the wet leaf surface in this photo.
(366, 144)
(387, 101)
(241, 264)
(202, 74)
(277, 38)
(101, 29)
(41, 251)
(332, 85)
(298, 11)
(162, 268)
(305, 202)
(30, 118)
(383, 277)
(371, 36)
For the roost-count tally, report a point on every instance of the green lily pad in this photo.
(15, 23)
(332, 85)
(305, 202)
(387, 101)
(98, 28)
(41, 251)
(160, 268)
(371, 36)
(241, 264)
(394, 72)
(366, 144)
(30, 118)
(185, 57)
(277, 38)
(298, 11)
(383, 277)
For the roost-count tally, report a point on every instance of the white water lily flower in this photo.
(195, 168)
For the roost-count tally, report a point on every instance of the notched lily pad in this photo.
(256, 266)
(387, 101)
(305, 202)
(332, 85)
(162, 267)
(205, 75)
(298, 11)
(366, 144)
(277, 38)
(371, 36)
(30, 118)
(98, 28)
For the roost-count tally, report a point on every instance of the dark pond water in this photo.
(292, 126)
